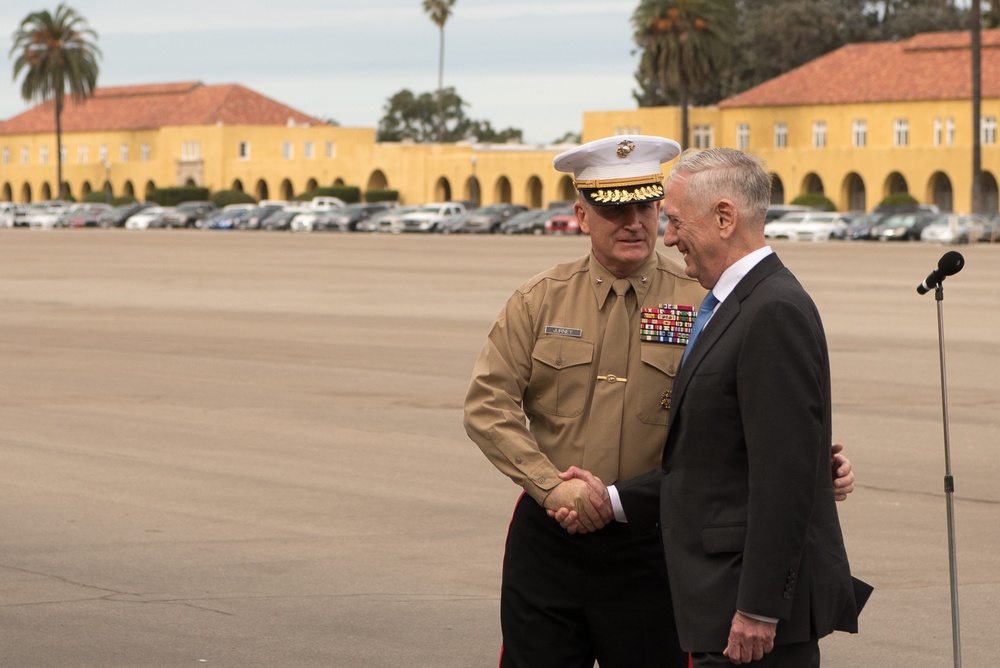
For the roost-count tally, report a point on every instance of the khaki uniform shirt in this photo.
(529, 403)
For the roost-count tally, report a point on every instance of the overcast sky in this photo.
(536, 65)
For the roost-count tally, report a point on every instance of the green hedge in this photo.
(815, 200)
(381, 195)
(96, 197)
(224, 197)
(899, 199)
(174, 196)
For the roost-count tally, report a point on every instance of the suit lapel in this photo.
(727, 312)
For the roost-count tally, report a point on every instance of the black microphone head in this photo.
(950, 263)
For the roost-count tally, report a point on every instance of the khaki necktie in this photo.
(604, 430)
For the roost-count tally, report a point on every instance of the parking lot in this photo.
(243, 449)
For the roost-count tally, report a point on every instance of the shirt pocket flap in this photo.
(560, 352)
(663, 357)
(731, 538)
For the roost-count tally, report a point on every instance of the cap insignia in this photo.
(624, 148)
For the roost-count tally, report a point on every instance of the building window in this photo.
(64, 154)
(743, 136)
(702, 136)
(102, 154)
(331, 150)
(938, 131)
(6, 155)
(307, 150)
(988, 134)
(82, 154)
(949, 131)
(901, 132)
(287, 150)
(123, 153)
(780, 135)
(859, 134)
(819, 134)
(144, 152)
(190, 151)
(43, 155)
(243, 150)
(24, 155)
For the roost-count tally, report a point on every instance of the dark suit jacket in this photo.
(744, 499)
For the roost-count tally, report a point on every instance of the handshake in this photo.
(580, 503)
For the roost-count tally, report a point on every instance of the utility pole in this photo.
(977, 94)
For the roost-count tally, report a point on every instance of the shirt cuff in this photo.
(616, 505)
(759, 618)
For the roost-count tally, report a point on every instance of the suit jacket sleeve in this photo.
(640, 498)
(783, 394)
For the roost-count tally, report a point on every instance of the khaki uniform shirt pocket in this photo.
(656, 381)
(561, 376)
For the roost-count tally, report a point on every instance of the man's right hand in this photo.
(588, 507)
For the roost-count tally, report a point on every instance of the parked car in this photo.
(327, 203)
(85, 215)
(776, 211)
(485, 219)
(282, 218)
(117, 216)
(387, 221)
(955, 228)
(316, 221)
(148, 217)
(562, 221)
(531, 221)
(187, 214)
(807, 226)
(11, 214)
(222, 220)
(861, 226)
(902, 226)
(45, 215)
(429, 217)
(349, 217)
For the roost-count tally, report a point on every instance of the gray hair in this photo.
(719, 172)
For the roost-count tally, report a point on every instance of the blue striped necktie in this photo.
(708, 305)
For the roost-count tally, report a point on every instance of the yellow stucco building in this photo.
(857, 124)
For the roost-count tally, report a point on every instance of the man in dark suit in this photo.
(755, 556)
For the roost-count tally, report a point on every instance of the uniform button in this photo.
(666, 469)
(541, 481)
(787, 595)
(559, 361)
(517, 460)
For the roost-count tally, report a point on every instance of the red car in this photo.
(562, 221)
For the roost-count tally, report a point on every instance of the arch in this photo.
(8, 192)
(66, 193)
(237, 185)
(287, 193)
(473, 190)
(566, 190)
(46, 193)
(148, 190)
(855, 193)
(777, 190)
(338, 182)
(128, 190)
(376, 181)
(311, 185)
(442, 190)
(896, 183)
(533, 192)
(940, 192)
(85, 189)
(502, 191)
(812, 183)
(109, 193)
(988, 193)
(189, 182)
(26, 193)
(260, 190)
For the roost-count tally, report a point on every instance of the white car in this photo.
(954, 228)
(807, 226)
(429, 217)
(146, 217)
(387, 221)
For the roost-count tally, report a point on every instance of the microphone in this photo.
(950, 264)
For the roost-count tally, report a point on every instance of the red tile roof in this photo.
(929, 66)
(158, 105)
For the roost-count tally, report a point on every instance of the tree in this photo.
(439, 11)
(684, 43)
(416, 118)
(53, 52)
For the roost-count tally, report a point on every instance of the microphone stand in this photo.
(949, 484)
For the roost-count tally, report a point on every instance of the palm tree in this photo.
(54, 53)
(439, 11)
(685, 42)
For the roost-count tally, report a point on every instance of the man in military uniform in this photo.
(578, 371)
